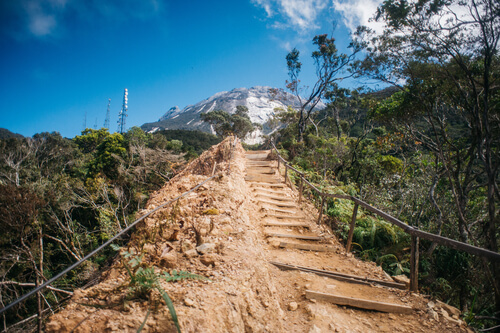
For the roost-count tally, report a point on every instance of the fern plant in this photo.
(144, 280)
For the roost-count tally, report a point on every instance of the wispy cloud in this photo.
(49, 18)
(358, 12)
(41, 16)
(300, 15)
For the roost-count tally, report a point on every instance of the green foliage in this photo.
(75, 194)
(195, 140)
(225, 124)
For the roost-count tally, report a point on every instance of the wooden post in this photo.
(321, 209)
(279, 165)
(414, 264)
(301, 188)
(286, 171)
(351, 228)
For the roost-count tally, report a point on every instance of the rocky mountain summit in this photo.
(259, 100)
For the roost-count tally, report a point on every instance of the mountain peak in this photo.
(259, 101)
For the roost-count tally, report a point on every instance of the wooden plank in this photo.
(342, 276)
(257, 157)
(308, 247)
(276, 197)
(315, 238)
(288, 217)
(276, 209)
(260, 172)
(280, 224)
(261, 179)
(250, 152)
(267, 184)
(278, 203)
(358, 302)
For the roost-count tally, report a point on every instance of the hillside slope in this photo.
(235, 215)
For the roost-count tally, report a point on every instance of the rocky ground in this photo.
(227, 231)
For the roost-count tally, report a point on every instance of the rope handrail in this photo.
(109, 241)
(391, 219)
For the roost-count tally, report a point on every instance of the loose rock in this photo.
(205, 248)
(292, 306)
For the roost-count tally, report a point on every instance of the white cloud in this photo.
(42, 25)
(358, 12)
(300, 15)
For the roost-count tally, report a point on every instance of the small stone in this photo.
(207, 260)
(292, 306)
(452, 311)
(169, 260)
(188, 302)
(401, 279)
(191, 253)
(275, 243)
(314, 329)
(310, 311)
(205, 248)
(433, 314)
(149, 248)
(186, 246)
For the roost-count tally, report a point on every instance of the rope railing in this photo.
(414, 232)
(114, 238)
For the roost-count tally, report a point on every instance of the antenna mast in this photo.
(85, 122)
(122, 116)
(106, 120)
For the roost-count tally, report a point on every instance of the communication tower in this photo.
(122, 116)
(106, 120)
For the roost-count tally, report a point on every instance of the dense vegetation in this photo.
(426, 150)
(60, 198)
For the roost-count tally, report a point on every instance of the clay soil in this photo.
(245, 292)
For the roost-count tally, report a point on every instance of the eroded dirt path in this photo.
(247, 219)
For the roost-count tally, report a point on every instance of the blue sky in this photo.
(62, 59)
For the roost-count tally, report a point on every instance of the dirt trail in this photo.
(239, 216)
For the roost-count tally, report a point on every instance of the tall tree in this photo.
(331, 67)
(444, 57)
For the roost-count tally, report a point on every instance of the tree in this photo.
(224, 123)
(331, 67)
(443, 55)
